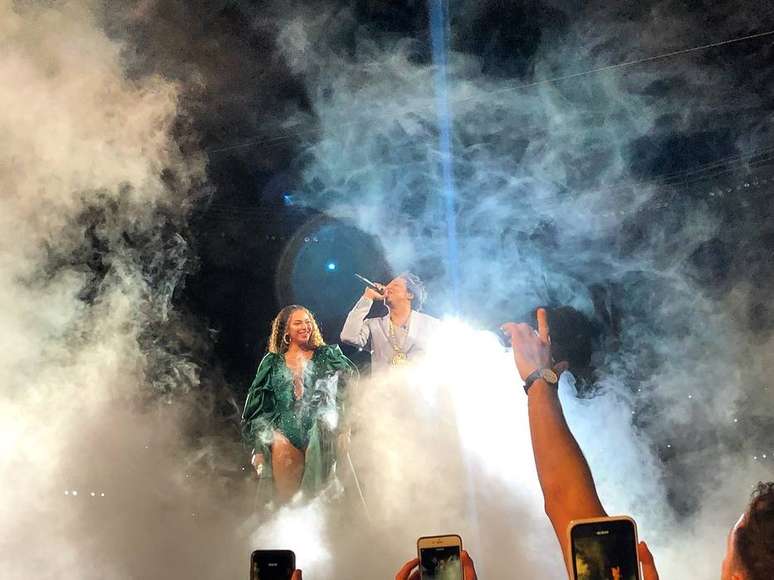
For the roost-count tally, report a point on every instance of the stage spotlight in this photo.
(331, 266)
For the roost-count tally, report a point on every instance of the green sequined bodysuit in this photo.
(311, 422)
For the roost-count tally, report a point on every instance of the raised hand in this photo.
(531, 348)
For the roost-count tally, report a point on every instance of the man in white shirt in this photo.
(399, 336)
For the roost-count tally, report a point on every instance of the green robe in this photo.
(310, 423)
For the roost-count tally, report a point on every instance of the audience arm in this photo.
(568, 487)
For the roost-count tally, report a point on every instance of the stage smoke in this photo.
(113, 463)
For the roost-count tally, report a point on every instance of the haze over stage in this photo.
(174, 172)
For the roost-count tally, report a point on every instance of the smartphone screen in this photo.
(272, 565)
(605, 550)
(440, 563)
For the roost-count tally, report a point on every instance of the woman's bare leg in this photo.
(287, 463)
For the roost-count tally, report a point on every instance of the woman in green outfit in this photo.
(292, 417)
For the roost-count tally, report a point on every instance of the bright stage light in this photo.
(301, 528)
(331, 266)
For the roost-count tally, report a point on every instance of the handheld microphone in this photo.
(370, 284)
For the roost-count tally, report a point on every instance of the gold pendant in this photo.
(399, 358)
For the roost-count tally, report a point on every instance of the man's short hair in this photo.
(755, 538)
(415, 285)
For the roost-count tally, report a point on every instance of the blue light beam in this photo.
(439, 34)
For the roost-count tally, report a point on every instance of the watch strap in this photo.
(539, 374)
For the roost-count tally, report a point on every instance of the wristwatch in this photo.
(548, 375)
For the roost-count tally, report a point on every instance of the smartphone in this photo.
(440, 557)
(272, 564)
(604, 549)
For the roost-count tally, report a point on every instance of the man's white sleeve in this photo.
(356, 331)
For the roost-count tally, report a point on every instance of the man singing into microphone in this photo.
(399, 336)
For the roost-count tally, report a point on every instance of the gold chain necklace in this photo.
(399, 356)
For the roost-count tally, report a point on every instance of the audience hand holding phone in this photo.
(273, 565)
(410, 570)
(649, 571)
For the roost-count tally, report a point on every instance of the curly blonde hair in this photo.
(279, 328)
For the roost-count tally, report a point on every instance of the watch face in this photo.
(549, 376)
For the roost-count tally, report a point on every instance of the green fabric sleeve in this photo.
(260, 413)
(336, 361)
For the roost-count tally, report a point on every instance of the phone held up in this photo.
(272, 564)
(604, 549)
(440, 557)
